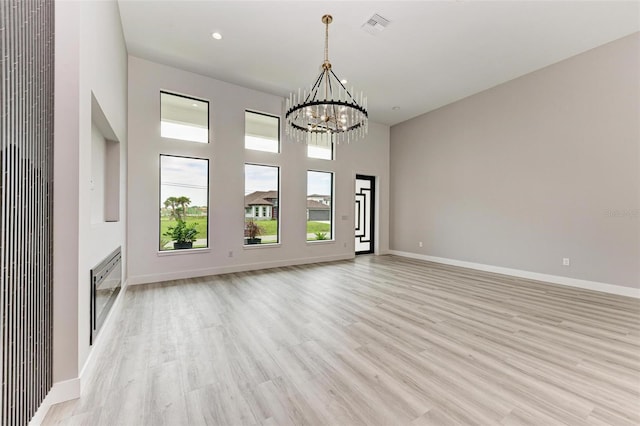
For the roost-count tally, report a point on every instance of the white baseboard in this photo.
(554, 279)
(194, 273)
(60, 392)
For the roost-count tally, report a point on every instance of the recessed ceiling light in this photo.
(344, 81)
(217, 36)
(395, 108)
(194, 105)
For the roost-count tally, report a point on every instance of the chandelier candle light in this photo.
(327, 111)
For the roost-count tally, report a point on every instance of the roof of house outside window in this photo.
(260, 198)
(316, 205)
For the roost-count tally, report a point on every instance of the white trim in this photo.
(193, 273)
(181, 252)
(60, 392)
(261, 246)
(554, 279)
(320, 242)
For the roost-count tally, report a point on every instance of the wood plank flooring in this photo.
(376, 341)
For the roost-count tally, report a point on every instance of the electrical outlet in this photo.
(345, 245)
(566, 261)
(420, 244)
(230, 253)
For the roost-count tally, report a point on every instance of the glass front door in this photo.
(364, 213)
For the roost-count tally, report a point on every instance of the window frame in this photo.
(193, 98)
(250, 111)
(332, 210)
(160, 204)
(261, 209)
(333, 152)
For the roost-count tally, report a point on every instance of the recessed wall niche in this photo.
(105, 168)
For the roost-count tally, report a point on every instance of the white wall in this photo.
(227, 157)
(98, 154)
(537, 169)
(90, 58)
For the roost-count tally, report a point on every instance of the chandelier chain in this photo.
(326, 42)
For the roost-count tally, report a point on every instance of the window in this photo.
(184, 118)
(319, 205)
(261, 195)
(184, 202)
(261, 132)
(320, 146)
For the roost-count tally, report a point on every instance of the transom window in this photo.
(320, 147)
(184, 118)
(261, 132)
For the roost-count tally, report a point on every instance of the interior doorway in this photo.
(365, 214)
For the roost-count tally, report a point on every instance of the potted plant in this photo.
(252, 230)
(182, 234)
(321, 236)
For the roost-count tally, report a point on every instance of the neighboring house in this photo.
(317, 210)
(261, 205)
(324, 199)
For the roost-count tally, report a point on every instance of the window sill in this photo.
(183, 252)
(260, 246)
(313, 243)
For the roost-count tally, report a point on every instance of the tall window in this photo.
(261, 204)
(320, 146)
(184, 118)
(261, 132)
(184, 202)
(319, 206)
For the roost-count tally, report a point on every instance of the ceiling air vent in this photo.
(375, 24)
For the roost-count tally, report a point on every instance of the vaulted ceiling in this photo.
(432, 53)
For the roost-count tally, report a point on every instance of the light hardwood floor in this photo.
(375, 341)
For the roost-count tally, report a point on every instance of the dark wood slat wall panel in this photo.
(26, 246)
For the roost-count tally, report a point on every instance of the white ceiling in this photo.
(432, 53)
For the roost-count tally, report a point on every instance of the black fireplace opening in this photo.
(106, 282)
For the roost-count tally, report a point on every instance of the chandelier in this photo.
(327, 111)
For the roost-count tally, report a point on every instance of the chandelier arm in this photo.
(328, 87)
(316, 86)
(338, 79)
(345, 89)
